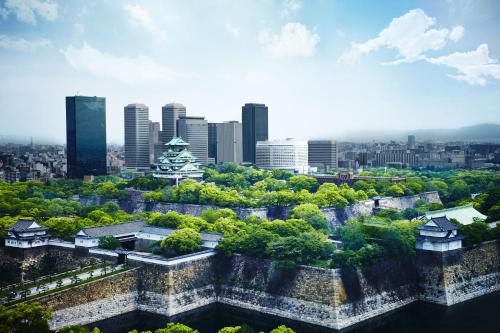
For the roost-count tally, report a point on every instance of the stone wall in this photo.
(334, 298)
(97, 300)
(327, 297)
(452, 277)
(27, 264)
(136, 204)
(170, 290)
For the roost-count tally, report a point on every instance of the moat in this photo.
(478, 315)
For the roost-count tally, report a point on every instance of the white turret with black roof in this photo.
(26, 234)
(438, 234)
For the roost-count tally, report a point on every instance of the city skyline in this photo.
(315, 57)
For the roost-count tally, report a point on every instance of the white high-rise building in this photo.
(289, 154)
(136, 136)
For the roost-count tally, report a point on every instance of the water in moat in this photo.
(479, 315)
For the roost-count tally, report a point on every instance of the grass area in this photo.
(52, 291)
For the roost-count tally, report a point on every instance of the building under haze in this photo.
(255, 128)
(323, 154)
(194, 130)
(212, 142)
(170, 113)
(229, 142)
(137, 136)
(289, 155)
(155, 141)
(85, 136)
(411, 141)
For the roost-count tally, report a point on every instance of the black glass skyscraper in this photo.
(86, 136)
(255, 128)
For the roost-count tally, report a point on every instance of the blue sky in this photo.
(323, 67)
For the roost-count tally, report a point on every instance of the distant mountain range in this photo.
(480, 132)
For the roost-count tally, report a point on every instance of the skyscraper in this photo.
(85, 136)
(212, 142)
(411, 141)
(154, 141)
(323, 154)
(169, 115)
(194, 130)
(255, 128)
(229, 142)
(136, 136)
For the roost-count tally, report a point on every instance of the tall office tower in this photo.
(411, 141)
(85, 136)
(289, 154)
(169, 115)
(154, 140)
(194, 130)
(323, 154)
(212, 143)
(229, 142)
(136, 136)
(255, 128)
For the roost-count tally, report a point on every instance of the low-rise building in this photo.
(134, 231)
(26, 234)
(438, 234)
(465, 215)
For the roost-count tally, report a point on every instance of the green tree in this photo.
(78, 329)
(25, 318)
(176, 328)
(298, 183)
(234, 329)
(109, 242)
(183, 241)
(312, 215)
(282, 329)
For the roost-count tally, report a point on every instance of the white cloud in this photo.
(28, 10)
(141, 17)
(411, 35)
(290, 7)
(21, 44)
(294, 40)
(457, 33)
(473, 67)
(233, 30)
(126, 69)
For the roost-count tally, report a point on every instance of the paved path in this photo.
(64, 282)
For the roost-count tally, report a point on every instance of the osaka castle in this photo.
(177, 162)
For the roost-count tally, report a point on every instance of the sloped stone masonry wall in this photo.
(335, 298)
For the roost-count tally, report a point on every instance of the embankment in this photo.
(333, 298)
(135, 204)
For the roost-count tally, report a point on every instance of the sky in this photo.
(323, 67)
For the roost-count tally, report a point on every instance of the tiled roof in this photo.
(157, 231)
(114, 229)
(24, 225)
(176, 141)
(206, 236)
(463, 214)
(442, 224)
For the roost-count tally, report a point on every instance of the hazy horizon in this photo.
(324, 68)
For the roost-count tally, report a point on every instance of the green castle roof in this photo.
(176, 141)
